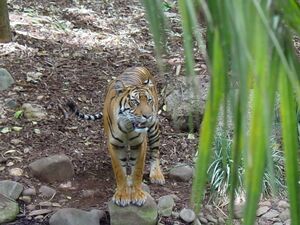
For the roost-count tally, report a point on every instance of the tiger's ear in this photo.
(119, 86)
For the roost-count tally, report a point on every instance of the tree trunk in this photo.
(5, 34)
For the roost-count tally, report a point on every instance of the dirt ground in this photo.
(78, 47)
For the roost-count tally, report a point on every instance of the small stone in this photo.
(70, 216)
(283, 204)
(221, 221)
(203, 220)
(47, 191)
(175, 215)
(278, 223)
(146, 188)
(6, 79)
(210, 218)
(271, 214)
(26, 199)
(9, 209)
(196, 222)
(40, 212)
(175, 197)
(238, 211)
(16, 141)
(26, 150)
(11, 189)
(285, 215)
(11, 103)
(262, 210)
(52, 168)
(39, 217)
(165, 205)
(288, 222)
(187, 215)
(33, 112)
(29, 192)
(9, 164)
(16, 172)
(181, 173)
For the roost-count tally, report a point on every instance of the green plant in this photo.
(18, 114)
(253, 42)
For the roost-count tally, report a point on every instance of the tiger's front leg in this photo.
(137, 161)
(156, 175)
(122, 196)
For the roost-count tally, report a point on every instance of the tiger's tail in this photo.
(72, 106)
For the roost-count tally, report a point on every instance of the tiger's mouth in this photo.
(140, 127)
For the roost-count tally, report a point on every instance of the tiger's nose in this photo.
(147, 116)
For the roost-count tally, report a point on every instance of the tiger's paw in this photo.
(122, 197)
(156, 176)
(138, 196)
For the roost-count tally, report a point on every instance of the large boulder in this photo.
(6, 79)
(52, 168)
(185, 99)
(71, 216)
(134, 215)
(11, 189)
(9, 209)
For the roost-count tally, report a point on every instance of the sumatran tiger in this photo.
(130, 117)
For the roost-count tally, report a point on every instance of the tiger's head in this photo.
(138, 106)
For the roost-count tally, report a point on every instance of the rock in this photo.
(33, 112)
(238, 211)
(165, 205)
(285, 215)
(71, 216)
(181, 173)
(6, 79)
(187, 215)
(9, 209)
(288, 222)
(47, 191)
(184, 101)
(29, 192)
(11, 189)
(262, 210)
(52, 168)
(283, 204)
(134, 215)
(16, 172)
(271, 214)
(210, 218)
